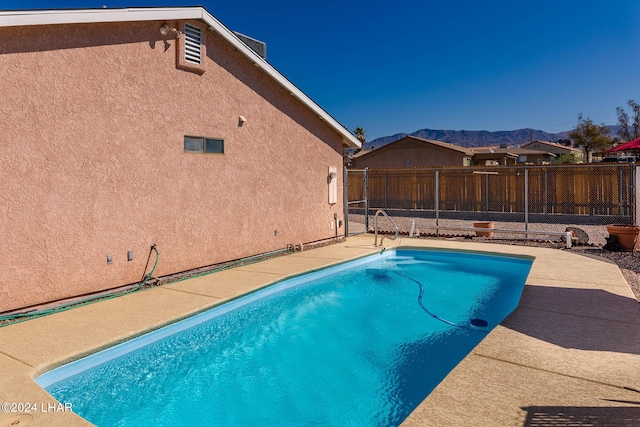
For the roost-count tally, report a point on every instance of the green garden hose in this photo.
(21, 317)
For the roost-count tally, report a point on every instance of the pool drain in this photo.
(479, 324)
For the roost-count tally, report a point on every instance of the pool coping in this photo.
(543, 358)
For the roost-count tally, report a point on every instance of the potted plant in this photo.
(627, 235)
(484, 224)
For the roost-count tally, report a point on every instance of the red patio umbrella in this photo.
(631, 145)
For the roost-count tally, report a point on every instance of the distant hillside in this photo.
(481, 138)
(474, 138)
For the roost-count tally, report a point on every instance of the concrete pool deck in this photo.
(570, 351)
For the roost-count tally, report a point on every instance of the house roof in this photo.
(488, 151)
(83, 16)
(440, 144)
(446, 145)
(553, 144)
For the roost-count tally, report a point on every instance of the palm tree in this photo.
(359, 133)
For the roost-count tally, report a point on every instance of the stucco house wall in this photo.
(93, 163)
(412, 152)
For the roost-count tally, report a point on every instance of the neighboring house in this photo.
(411, 151)
(123, 128)
(552, 147)
(495, 156)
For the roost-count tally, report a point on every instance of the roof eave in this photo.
(18, 18)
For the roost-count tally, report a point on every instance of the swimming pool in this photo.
(362, 343)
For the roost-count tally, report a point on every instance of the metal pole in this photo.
(621, 201)
(526, 200)
(636, 189)
(345, 199)
(486, 194)
(437, 201)
(366, 199)
(386, 189)
(546, 190)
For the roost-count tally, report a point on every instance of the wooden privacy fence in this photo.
(597, 192)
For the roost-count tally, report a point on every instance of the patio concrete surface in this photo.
(569, 353)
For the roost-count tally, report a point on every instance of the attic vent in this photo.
(192, 43)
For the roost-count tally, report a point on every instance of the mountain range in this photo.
(478, 138)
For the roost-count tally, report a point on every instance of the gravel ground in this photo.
(629, 263)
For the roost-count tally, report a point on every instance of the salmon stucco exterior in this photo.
(95, 163)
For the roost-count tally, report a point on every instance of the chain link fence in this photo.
(519, 198)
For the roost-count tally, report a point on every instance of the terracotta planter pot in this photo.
(484, 224)
(627, 235)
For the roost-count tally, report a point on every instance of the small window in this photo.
(407, 162)
(213, 145)
(200, 144)
(193, 144)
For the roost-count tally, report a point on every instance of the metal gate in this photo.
(356, 198)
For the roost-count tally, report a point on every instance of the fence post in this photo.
(386, 190)
(546, 190)
(636, 206)
(622, 209)
(526, 200)
(486, 192)
(414, 190)
(366, 199)
(437, 201)
(345, 199)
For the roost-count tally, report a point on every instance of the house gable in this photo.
(411, 151)
(171, 15)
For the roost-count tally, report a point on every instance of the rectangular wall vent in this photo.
(192, 44)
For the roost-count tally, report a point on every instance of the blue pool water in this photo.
(362, 344)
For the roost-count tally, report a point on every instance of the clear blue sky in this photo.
(401, 66)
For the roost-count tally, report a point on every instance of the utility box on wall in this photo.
(333, 185)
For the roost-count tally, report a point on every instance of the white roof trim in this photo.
(82, 16)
